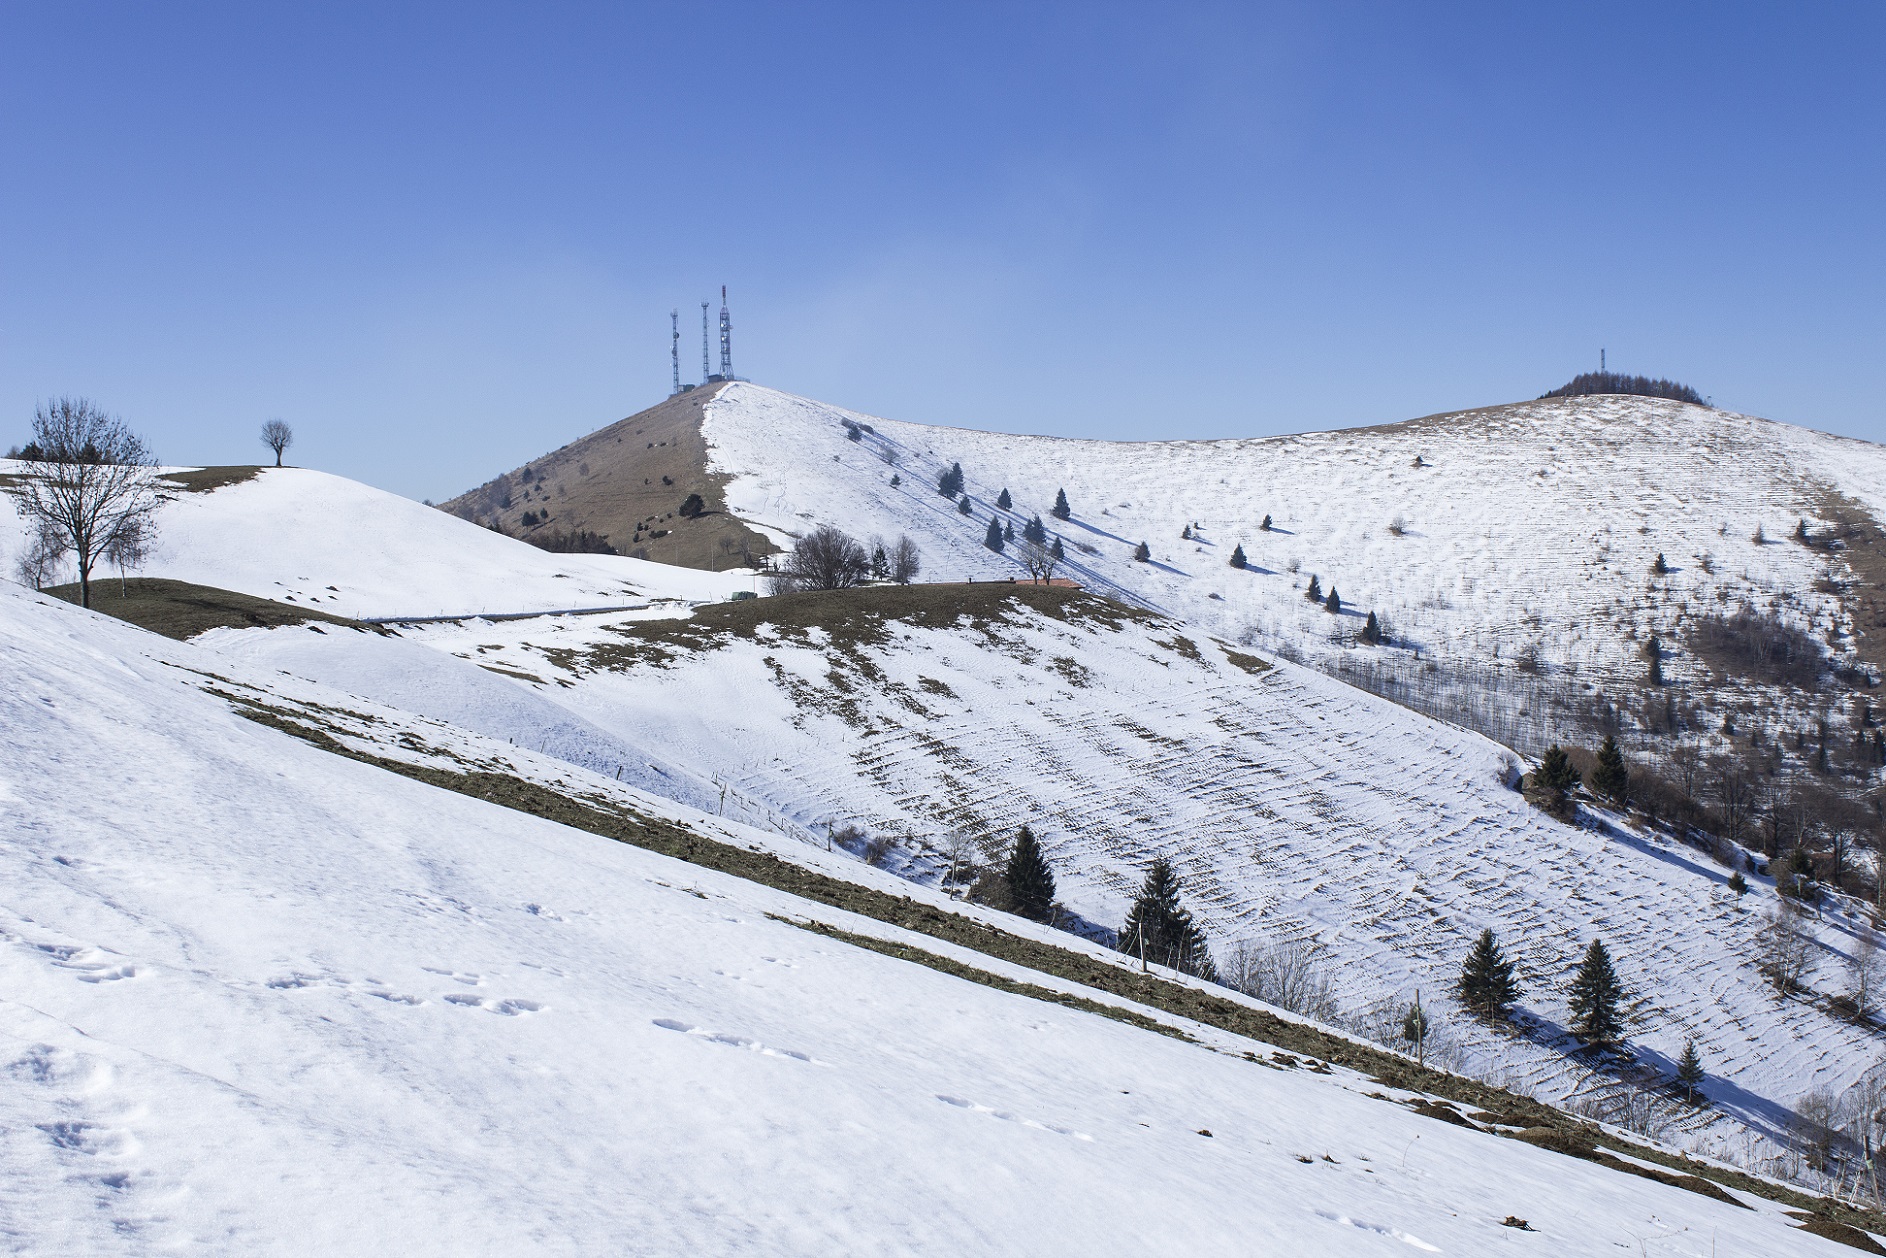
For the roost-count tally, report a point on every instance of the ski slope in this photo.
(1294, 808)
(1525, 528)
(261, 999)
(351, 550)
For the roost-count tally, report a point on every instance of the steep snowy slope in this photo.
(261, 999)
(1487, 534)
(1294, 807)
(352, 550)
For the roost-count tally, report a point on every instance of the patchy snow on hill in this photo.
(351, 550)
(262, 999)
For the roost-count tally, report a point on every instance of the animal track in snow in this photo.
(975, 1108)
(736, 1041)
(469, 980)
(89, 965)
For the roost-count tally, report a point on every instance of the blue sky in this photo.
(440, 239)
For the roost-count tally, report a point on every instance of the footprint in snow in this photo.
(89, 965)
(975, 1108)
(469, 980)
(736, 1041)
(509, 1008)
(1395, 1232)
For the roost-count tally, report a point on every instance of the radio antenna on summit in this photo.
(674, 328)
(726, 337)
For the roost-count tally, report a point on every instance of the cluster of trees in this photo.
(1592, 382)
(1488, 987)
(1159, 929)
(830, 559)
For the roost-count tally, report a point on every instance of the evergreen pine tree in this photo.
(1660, 567)
(1143, 553)
(1002, 499)
(1185, 534)
(1689, 1069)
(896, 480)
(1058, 552)
(993, 538)
(1237, 556)
(1737, 883)
(1008, 530)
(1265, 526)
(1315, 592)
(1552, 785)
(1160, 929)
(950, 484)
(1333, 604)
(1372, 631)
(1030, 880)
(1486, 985)
(1415, 1027)
(1595, 996)
(1061, 510)
(963, 507)
(1611, 778)
(880, 564)
(1035, 531)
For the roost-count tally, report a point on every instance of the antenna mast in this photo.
(1601, 367)
(726, 336)
(674, 349)
(706, 371)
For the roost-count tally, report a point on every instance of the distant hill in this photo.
(1593, 382)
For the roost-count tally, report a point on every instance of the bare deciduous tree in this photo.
(824, 559)
(1039, 558)
(1863, 972)
(1296, 976)
(277, 436)
(1783, 950)
(38, 562)
(86, 483)
(905, 561)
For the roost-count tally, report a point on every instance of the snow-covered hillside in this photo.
(1522, 529)
(351, 550)
(1295, 808)
(262, 999)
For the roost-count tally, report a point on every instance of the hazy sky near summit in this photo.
(441, 239)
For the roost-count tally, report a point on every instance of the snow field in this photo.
(261, 999)
(1293, 807)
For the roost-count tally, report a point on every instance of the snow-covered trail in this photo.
(260, 999)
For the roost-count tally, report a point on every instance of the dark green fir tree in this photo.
(1237, 556)
(1611, 778)
(1143, 553)
(1061, 510)
(1596, 997)
(1002, 499)
(1160, 930)
(993, 538)
(1689, 1070)
(1030, 880)
(1487, 987)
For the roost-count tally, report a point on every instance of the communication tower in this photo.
(706, 371)
(726, 337)
(674, 328)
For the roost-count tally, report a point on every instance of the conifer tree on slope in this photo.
(1595, 996)
(1486, 986)
(950, 484)
(1333, 604)
(1551, 785)
(1143, 553)
(1159, 928)
(1061, 510)
(1035, 531)
(1057, 551)
(1002, 499)
(1030, 880)
(1237, 556)
(1689, 1069)
(1611, 778)
(1372, 630)
(1315, 592)
(963, 507)
(993, 538)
